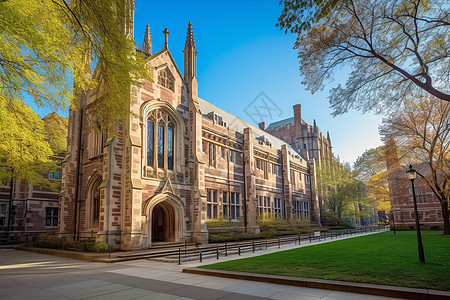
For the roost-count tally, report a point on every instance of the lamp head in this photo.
(412, 174)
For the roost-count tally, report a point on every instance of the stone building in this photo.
(401, 197)
(27, 210)
(177, 162)
(304, 138)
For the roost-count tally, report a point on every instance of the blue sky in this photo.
(241, 54)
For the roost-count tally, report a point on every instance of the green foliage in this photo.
(56, 130)
(97, 247)
(332, 220)
(50, 46)
(300, 15)
(396, 49)
(270, 227)
(382, 258)
(221, 222)
(24, 151)
(370, 168)
(54, 242)
(342, 192)
(402, 227)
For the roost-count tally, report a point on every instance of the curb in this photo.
(343, 286)
(71, 254)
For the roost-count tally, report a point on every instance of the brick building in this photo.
(401, 197)
(26, 209)
(182, 161)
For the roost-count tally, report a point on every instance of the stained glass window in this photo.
(150, 142)
(170, 142)
(160, 146)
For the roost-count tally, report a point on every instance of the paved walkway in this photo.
(25, 275)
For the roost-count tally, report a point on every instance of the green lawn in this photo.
(382, 258)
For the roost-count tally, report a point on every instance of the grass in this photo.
(382, 258)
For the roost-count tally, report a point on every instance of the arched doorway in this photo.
(163, 222)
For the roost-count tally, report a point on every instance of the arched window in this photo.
(160, 140)
(160, 145)
(170, 144)
(94, 203)
(150, 142)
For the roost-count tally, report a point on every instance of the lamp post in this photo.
(412, 175)
(393, 220)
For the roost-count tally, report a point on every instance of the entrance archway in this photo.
(163, 222)
(164, 219)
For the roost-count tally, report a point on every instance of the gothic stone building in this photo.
(304, 138)
(181, 162)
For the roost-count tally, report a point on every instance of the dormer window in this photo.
(166, 79)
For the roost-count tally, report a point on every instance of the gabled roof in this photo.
(164, 50)
(238, 125)
(280, 123)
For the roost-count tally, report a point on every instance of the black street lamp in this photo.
(412, 174)
(393, 220)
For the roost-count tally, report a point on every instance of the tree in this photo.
(370, 168)
(24, 150)
(396, 49)
(49, 48)
(421, 131)
(342, 192)
(56, 128)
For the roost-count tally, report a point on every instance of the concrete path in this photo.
(26, 275)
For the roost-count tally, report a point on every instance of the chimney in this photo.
(298, 120)
(262, 125)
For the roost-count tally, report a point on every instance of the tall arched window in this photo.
(160, 145)
(160, 140)
(170, 144)
(150, 142)
(94, 203)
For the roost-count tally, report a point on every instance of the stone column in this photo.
(199, 230)
(287, 181)
(250, 188)
(315, 208)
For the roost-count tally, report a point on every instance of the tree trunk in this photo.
(445, 215)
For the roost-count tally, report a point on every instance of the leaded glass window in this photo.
(166, 79)
(160, 145)
(150, 142)
(170, 144)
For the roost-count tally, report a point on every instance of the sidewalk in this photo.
(257, 285)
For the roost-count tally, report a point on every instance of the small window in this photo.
(222, 152)
(51, 216)
(211, 199)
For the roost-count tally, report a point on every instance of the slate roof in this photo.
(280, 123)
(238, 125)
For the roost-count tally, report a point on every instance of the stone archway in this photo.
(164, 219)
(163, 222)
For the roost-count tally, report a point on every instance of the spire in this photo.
(328, 136)
(315, 124)
(147, 45)
(166, 38)
(190, 37)
(190, 56)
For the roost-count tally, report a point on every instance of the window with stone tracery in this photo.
(160, 140)
(166, 79)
